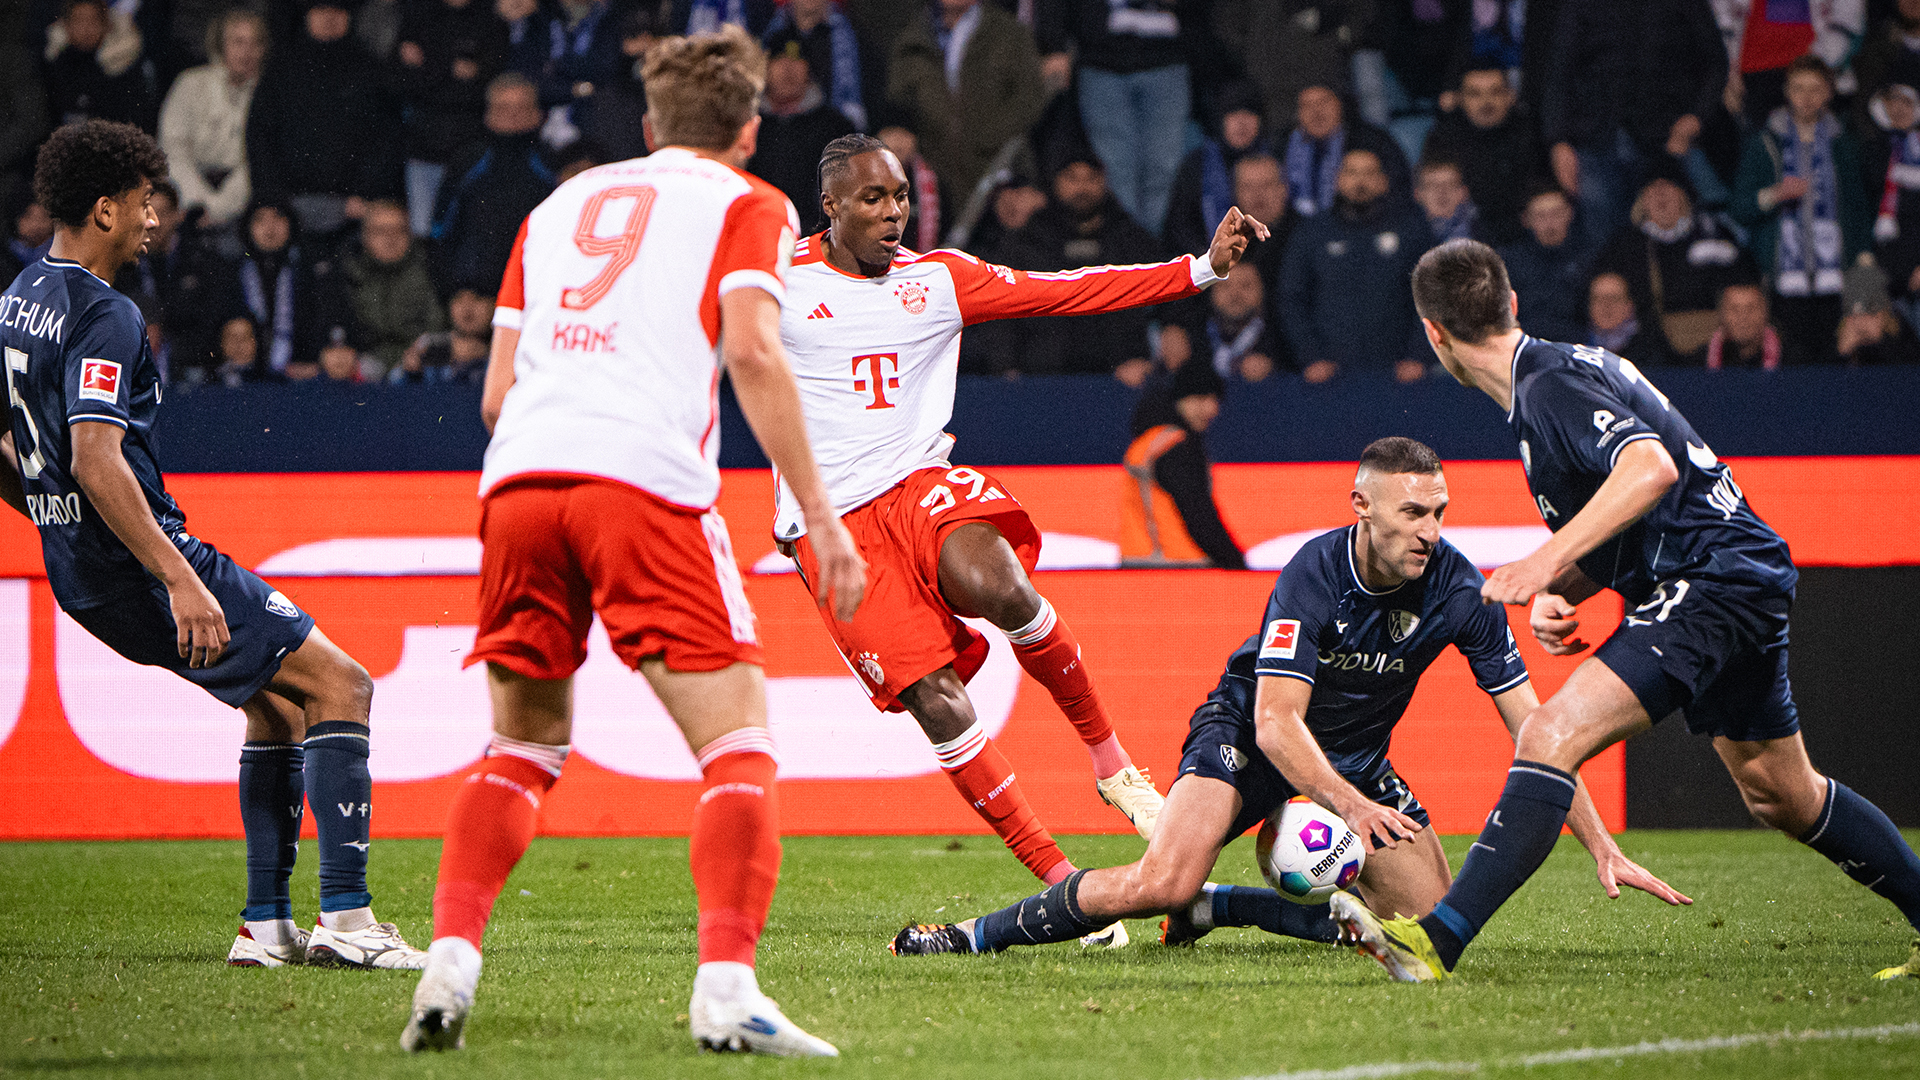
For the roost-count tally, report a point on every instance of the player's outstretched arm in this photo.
(100, 468)
(1641, 477)
(506, 342)
(763, 383)
(1610, 863)
(1230, 240)
(12, 491)
(1280, 730)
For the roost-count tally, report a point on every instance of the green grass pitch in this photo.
(110, 965)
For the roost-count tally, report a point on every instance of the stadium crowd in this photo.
(1708, 182)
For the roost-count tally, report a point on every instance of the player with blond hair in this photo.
(628, 290)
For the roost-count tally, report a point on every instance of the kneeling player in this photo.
(84, 389)
(1308, 706)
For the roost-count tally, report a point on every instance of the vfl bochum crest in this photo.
(1401, 623)
(281, 606)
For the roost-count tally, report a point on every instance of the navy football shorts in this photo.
(1714, 650)
(265, 626)
(1220, 745)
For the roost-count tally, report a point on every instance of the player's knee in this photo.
(351, 684)
(1163, 887)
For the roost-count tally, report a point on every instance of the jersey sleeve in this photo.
(1588, 423)
(100, 361)
(1297, 610)
(756, 244)
(986, 291)
(509, 306)
(1484, 637)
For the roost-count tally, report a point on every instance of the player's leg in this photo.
(1408, 880)
(1782, 789)
(980, 575)
(981, 773)
(272, 799)
(1182, 852)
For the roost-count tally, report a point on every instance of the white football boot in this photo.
(376, 946)
(1131, 792)
(443, 998)
(249, 951)
(729, 1012)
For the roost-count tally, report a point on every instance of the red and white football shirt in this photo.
(615, 284)
(876, 358)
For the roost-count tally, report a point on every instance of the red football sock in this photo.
(985, 779)
(488, 829)
(1049, 653)
(735, 847)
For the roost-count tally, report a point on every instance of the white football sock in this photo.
(272, 932)
(725, 980)
(346, 922)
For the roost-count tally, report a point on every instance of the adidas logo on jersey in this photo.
(821, 312)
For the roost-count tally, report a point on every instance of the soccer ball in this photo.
(1307, 853)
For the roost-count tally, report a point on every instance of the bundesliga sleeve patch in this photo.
(99, 380)
(1278, 643)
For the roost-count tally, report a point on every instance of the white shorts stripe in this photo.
(727, 572)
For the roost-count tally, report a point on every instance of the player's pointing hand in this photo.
(200, 625)
(1230, 240)
(843, 573)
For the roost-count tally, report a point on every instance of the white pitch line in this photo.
(1384, 1069)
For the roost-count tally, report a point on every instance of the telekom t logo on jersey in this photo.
(883, 374)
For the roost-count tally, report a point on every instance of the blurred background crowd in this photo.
(1721, 183)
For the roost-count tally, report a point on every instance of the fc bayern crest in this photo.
(1401, 623)
(913, 297)
(870, 667)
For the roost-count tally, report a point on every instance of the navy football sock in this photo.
(340, 789)
(1242, 905)
(1040, 919)
(1520, 833)
(1857, 836)
(270, 803)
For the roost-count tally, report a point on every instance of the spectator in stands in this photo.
(237, 360)
(1260, 190)
(1498, 153)
(1203, 186)
(1890, 53)
(1514, 36)
(95, 69)
(1745, 337)
(377, 25)
(32, 236)
(796, 123)
(1870, 331)
(582, 55)
(1799, 194)
(1675, 261)
(394, 301)
(321, 130)
(610, 119)
(527, 38)
(1168, 516)
(1134, 90)
(1234, 332)
(150, 279)
(1317, 145)
(1631, 82)
(1081, 225)
(1344, 301)
(278, 288)
(1400, 66)
(969, 76)
(996, 348)
(492, 185)
(1288, 46)
(1441, 190)
(342, 363)
(1614, 324)
(832, 49)
(706, 16)
(1763, 38)
(925, 222)
(1547, 268)
(203, 125)
(457, 354)
(23, 116)
(449, 50)
(1891, 170)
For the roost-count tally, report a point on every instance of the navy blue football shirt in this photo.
(76, 350)
(1365, 650)
(1574, 408)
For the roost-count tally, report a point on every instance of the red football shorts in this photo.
(556, 549)
(904, 630)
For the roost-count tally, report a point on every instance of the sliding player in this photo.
(597, 496)
(874, 332)
(1307, 707)
(80, 465)
(1638, 504)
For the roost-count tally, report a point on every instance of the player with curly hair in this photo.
(84, 389)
